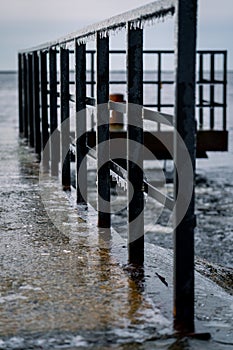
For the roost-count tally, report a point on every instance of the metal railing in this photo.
(38, 121)
(209, 78)
(211, 82)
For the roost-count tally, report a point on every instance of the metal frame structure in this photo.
(203, 102)
(34, 75)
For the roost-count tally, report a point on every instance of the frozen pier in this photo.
(69, 280)
(74, 289)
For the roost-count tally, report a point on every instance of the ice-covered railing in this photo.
(137, 18)
(38, 121)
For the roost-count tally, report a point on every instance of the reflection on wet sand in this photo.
(63, 280)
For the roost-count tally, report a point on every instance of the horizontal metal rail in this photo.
(147, 114)
(162, 118)
(119, 171)
(203, 82)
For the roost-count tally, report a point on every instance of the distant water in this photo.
(8, 92)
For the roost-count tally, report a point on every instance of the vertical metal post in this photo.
(54, 135)
(92, 75)
(186, 23)
(212, 91)
(134, 145)
(20, 93)
(44, 107)
(92, 85)
(80, 89)
(159, 86)
(102, 132)
(200, 91)
(36, 103)
(65, 121)
(30, 102)
(225, 91)
(25, 97)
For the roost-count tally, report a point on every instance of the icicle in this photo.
(70, 45)
(116, 30)
(113, 175)
(152, 19)
(136, 24)
(85, 39)
(104, 33)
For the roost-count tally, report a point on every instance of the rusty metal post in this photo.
(25, 98)
(134, 145)
(65, 122)
(36, 104)
(20, 94)
(44, 108)
(80, 89)
(54, 135)
(186, 23)
(116, 118)
(102, 132)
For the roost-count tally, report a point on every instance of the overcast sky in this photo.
(26, 23)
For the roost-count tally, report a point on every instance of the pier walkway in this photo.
(73, 289)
